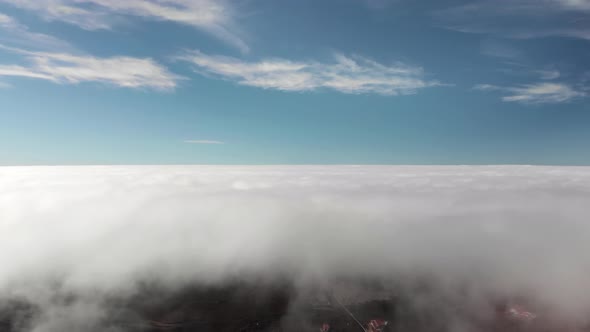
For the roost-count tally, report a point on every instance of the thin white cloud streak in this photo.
(203, 141)
(549, 74)
(379, 4)
(580, 33)
(6, 20)
(538, 93)
(14, 33)
(498, 49)
(520, 19)
(353, 75)
(578, 5)
(90, 232)
(213, 16)
(66, 68)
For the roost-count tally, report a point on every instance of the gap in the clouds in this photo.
(275, 306)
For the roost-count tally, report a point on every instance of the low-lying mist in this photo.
(94, 248)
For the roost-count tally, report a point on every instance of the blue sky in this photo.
(294, 82)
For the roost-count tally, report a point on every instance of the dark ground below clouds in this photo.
(279, 307)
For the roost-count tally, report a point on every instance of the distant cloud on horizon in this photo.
(537, 93)
(203, 141)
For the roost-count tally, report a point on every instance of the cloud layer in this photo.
(66, 68)
(354, 74)
(90, 233)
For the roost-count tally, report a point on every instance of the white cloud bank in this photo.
(538, 93)
(86, 233)
(354, 74)
(213, 16)
(67, 68)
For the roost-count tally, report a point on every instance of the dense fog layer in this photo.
(74, 238)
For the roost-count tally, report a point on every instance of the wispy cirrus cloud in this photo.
(213, 16)
(549, 74)
(521, 19)
(121, 71)
(500, 49)
(583, 5)
(379, 4)
(6, 20)
(537, 93)
(203, 141)
(14, 33)
(353, 75)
